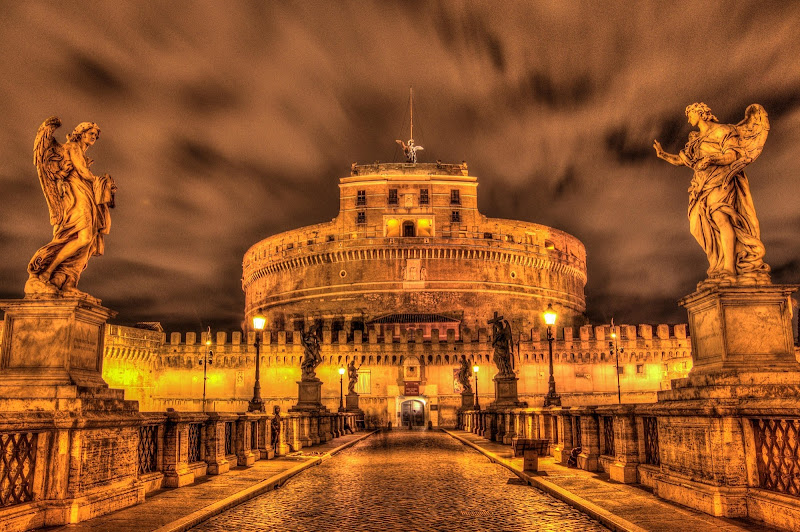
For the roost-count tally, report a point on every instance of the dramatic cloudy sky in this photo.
(225, 122)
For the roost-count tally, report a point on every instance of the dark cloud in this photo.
(223, 126)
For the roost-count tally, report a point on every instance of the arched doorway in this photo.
(409, 229)
(412, 414)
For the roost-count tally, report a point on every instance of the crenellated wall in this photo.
(163, 370)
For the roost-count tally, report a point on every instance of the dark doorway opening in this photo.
(409, 229)
(413, 414)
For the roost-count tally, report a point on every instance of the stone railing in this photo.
(172, 449)
(632, 444)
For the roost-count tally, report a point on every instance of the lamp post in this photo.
(341, 389)
(475, 370)
(257, 404)
(614, 350)
(552, 398)
(208, 358)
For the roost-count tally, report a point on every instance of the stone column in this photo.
(500, 424)
(626, 444)
(218, 462)
(244, 453)
(590, 443)
(176, 448)
(563, 448)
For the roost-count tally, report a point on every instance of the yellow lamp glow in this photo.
(613, 334)
(259, 321)
(550, 315)
(475, 368)
(341, 371)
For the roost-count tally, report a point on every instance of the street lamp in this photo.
(475, 370)
(257, 404)
(552, 398)
(614, 350)
(341, 389)
(208, 358)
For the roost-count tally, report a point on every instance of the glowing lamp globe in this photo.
(259, 321)
(550, 315)
(341, 371)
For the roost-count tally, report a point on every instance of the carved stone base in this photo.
(741, 328)
(309, 397)
(52, 342)
(467, 401)
(505, 392)
(351, 403)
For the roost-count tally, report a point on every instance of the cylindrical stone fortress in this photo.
(410, 249)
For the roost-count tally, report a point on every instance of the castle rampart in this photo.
(163, 370)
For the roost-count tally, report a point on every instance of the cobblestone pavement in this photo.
(409, 481)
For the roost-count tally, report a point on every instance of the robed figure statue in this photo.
(79, 203)
(311, 353)
(722, 217)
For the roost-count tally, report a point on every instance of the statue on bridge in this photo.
(502, 344)
(722, 217)
(352, 377)
(275, 425)
(463, 376)
(311, 353)
(79, 203)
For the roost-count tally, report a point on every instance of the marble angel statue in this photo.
(722, 217)
(79, 202)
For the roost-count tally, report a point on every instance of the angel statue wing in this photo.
(753, 131)
(48, 157)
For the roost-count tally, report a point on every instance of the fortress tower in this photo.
(410, 250)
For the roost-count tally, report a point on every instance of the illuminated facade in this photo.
(409, 249)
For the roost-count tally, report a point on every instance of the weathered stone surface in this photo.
(742, 328)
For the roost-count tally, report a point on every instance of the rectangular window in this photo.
(361, 197)
(455, 216)
(423, 197)
(364, 384)
(361, 218)
(487, 236)
(455, 197)
(392, 196)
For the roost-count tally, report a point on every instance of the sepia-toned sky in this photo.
(226, 122)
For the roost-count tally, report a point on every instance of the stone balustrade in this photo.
(171, 448)
(632, 444)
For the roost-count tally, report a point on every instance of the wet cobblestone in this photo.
(409, 481)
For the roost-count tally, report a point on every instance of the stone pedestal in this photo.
(505, 393)
(467, 400)
(351, 403)
(309, 397)
(50, 343)
(741, 328)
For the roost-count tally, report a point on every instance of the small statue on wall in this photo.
(79, 203)
(311, 350)
(463, 376)
(722, 217)
(275, 425)
(352, 377)
(501, 342)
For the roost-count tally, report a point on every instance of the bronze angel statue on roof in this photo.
(79, 203)
(722, 217)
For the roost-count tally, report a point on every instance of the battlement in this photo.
(411, 169)
(565, 336)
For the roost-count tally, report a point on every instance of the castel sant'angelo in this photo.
(404, 282)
